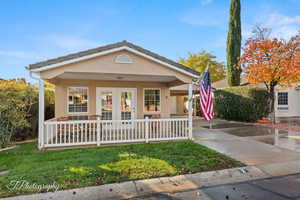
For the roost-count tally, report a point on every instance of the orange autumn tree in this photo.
(272, 62)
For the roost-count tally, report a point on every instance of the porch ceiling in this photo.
(117, 77)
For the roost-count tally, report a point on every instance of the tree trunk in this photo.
(272, 104)
(234, 38)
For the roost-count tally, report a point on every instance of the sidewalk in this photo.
(131, 189)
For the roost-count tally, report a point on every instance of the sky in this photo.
(36, 30)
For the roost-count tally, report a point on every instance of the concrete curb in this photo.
(142, 187)
(8, 148)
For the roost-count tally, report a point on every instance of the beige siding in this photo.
(180, 105)
(293, 107)
(106, 64)
(62, 86)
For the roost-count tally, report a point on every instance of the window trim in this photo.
(88, 100)
(152, 112)
(283, 105)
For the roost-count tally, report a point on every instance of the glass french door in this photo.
(116, 103)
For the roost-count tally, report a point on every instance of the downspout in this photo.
(41, 112)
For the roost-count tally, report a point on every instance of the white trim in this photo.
(98, 100)
(47, 67)
(190, 119)
(134, 90)
(160, 99)
(88, 99)
(41, 113)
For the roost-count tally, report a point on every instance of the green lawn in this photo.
(73, 168)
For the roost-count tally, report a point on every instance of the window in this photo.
(126, 105)
(123, 58)
(77, 100)
(152, 100)
(106, 102)
(282, 98)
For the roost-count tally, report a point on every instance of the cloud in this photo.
(285, 32)
(276, 20)
(283, 26)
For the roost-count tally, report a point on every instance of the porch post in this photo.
(190, 100)
(41, 113)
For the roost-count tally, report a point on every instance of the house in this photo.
(112, 94)
(287, 100)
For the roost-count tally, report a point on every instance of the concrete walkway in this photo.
(246, 150)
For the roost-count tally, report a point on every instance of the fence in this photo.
(97, 132)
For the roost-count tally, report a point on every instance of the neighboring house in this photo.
(287, 102)
(103, 95)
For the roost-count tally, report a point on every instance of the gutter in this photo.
(31, 75)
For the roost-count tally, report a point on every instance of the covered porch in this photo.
(119, 97)
(98, 109)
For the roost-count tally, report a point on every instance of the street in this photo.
(275, 188)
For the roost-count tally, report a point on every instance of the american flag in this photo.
(206, 101)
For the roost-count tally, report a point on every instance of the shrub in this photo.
(19, 108)
(243, 103)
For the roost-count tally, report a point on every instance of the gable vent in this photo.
(123, 58)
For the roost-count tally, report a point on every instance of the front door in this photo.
(116, 103)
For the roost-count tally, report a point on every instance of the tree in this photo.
(16, 97)
(199, 61)
(234, 44)
(273, 62)
(19, 108)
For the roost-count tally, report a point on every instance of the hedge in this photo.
(243, 103)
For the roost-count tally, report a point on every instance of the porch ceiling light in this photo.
(120, 77)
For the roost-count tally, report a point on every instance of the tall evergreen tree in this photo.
(234, 44)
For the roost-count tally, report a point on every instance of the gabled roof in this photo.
(224, 84)
(75, 57)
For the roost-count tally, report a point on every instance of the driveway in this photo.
(249, 150)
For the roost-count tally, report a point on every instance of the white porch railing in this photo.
(73, 133)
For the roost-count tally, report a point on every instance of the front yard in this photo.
(71, 168)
